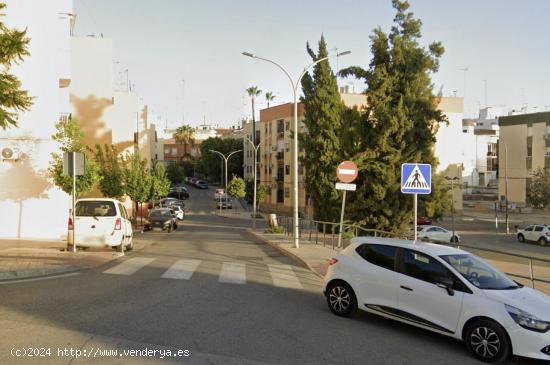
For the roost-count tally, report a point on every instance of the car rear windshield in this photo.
(160, 213)
(95, 208)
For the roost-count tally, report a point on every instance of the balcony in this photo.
(280, 156)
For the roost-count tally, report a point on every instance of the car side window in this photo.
(425, 268)
(121, 211)
(530, 228)
(539, 228)
(379, 255)
(431, 229)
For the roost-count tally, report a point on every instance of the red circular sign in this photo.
(347, 171)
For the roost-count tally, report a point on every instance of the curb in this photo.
(8, 276)
(285, 252)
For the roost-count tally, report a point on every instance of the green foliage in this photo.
(397, 126)
(269, 97)
(160, 184)
(236, 187)
(175, 172)
(137, 181)
(210, 162)
(71, 139)
(13, 48)
(538, 190)
(110, 169)
(185, 134)
(275, 230)
(323, 147)
(261, 192)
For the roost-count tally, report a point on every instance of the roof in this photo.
(99, 199)
(540, 117)
(425, 247)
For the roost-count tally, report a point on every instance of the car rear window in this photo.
(160, 213)
(95, 208)
(379, 255)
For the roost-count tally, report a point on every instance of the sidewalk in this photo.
(24, 259)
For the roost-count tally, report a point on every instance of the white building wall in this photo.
(30, 205)
(453, 146)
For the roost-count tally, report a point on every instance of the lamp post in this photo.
(505, 182)
(452, 180)
(255, 147)
(225, 158)
(295, 86)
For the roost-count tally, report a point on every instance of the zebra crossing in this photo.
(231, 272)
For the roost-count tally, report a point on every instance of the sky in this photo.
(184, 57)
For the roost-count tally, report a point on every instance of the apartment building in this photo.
(524, 147)
(28, 194)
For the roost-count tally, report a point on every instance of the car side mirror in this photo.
(447, 285)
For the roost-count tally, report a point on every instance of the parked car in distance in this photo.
(160, 218)
(180, 193)
(201, 184)
(219, 193)
(178, 210)
(224, 203)
(101, 223)
(536, 233)
(423, 221)
(437, 234)
(193, 181)
(441, 289)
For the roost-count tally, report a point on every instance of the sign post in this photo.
(74, 164)
(416, 178)
(346, 173)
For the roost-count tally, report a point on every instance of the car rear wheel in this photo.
(487, 341)
(130, 245)
(341, 299)
(521, 238)
(542, 241)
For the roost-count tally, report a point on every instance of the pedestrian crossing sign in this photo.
(416, 178)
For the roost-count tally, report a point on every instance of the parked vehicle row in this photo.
(163, 219)
(196, 182)
(444, 290)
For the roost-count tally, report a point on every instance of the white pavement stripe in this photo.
(233, 273)
(181, 269)
(130, 266)
(283, 276)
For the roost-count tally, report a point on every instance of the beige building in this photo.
(527, 138)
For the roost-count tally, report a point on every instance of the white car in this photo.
(101, 223)
(536, 232)
(437, 234)
(444, 290)
(180, 214)
(219, 193)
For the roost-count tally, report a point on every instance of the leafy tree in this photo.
(261, 192)
(236, 187)
(269, 97)
(253, 92)
(399, 123)
(13, 48)
(210, 162)
(110, 169)
(175, 172)
(137, 181)
(538, 190)
(184, 135)
(323, 120)
(71, 139)
(160, 184)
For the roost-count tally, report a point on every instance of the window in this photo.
(424, 267)
(539, 228)
(379, 255)
(287, 125)
(530, 228)
(529, 131)
(95, 208)
(529, 151)
(174, 151)
(287, 193)
(287, 169)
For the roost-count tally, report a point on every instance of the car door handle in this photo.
(406, 288)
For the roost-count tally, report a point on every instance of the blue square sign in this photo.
(416, 178)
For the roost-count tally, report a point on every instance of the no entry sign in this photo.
(346, 171)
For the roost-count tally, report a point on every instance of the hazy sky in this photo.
(163, 42)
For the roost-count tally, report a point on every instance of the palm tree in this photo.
(269, 97)
(184, 135)
(253, 91)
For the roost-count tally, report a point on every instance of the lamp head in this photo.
(248, 54)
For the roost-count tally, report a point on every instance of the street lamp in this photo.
(452, 179)
(505, 182)
(255, 147)
(225, 158)
(295, 86)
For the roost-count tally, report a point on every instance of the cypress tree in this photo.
(321, 142)
(399, 123)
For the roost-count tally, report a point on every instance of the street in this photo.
(209, 288)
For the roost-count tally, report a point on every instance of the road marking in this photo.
(233, 273)
(38, 279)
(130, 266)
(181, 270)
(283, 276)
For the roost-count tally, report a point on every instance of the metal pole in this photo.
(453, 207)
(255, 178)
(74, 199)
(506, 184)
(225, 158)
(415, 217)
(342, 219)
(295, 177)
(531, 273)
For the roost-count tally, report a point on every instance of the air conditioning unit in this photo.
(10, 153)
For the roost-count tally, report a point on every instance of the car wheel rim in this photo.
(485, 342)
(339, 299)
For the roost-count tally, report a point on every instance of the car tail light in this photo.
(70, 224)
(118, 224)
(332, 261)
(548, 233)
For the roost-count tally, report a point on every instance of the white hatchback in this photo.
(101, 223)
(441, 289)
(437, 234)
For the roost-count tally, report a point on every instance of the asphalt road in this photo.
(209, 288)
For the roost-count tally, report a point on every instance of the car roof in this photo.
(426, 226)
(98, 200)
(421, 246)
